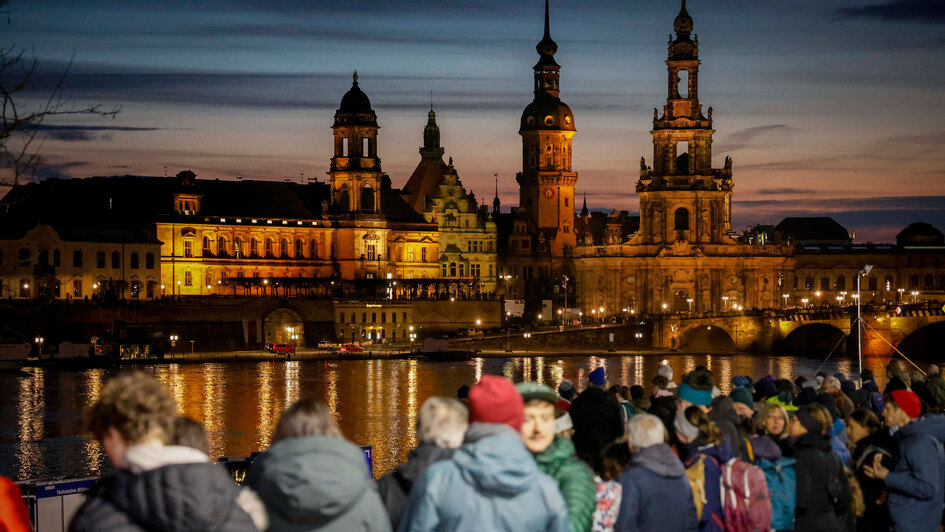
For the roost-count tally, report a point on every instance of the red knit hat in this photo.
(909, 402)
(495, 400)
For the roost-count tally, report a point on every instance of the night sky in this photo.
(827, 108)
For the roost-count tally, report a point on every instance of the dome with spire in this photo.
(920, 234)
(683, 23)
(355, 107)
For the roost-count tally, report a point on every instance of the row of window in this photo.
(242, 249)
(25, 289)
(927, 282)
(474, 270)
(43, 259)
(364, 317)
(477, 246)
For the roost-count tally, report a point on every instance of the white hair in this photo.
(443, 422)
(646, 430)
(832, 382)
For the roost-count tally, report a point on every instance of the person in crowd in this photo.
(869, 439)
(916, 485)
(189, 433)
(700, 442)
(833, 388)
(663, 405)
(665, 370)
(786, 394)
(936, 385)
(555, 455)
(566, 394)
(772, 422)
(311, 478)
(627, 409)
(896, 377)
(440, 428)
(743, 403)
(838, 430)
(638, 398)
(655, 493)
(491, 482)
(14, 517)
(824, 499)
(868, 381)
(155, 486)
(764, 389)
(695, 390)
(616, 460)
(596, 418)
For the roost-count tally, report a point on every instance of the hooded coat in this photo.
(575, 481)
(656, 493)
(317, 483)
(597, 422)
(817, 468)
(164, 494)
(725, 417)
(876, 515)
(490, 483)
(917, 484)
(394, 487)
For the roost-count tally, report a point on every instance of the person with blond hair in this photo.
(156, 486)
(311, 478)
(440, 428)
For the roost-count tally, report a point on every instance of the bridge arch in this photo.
(281, 324)
(706, 338)
(813, 339)
(925, 343)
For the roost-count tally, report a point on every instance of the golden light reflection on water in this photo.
(374, 402)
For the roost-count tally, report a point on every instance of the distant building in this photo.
(814, 230)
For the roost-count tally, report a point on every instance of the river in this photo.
(375, 402)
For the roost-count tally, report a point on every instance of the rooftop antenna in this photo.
(431, 100)
(165, 170)
(496, 176)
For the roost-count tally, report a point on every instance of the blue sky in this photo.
(827, 108)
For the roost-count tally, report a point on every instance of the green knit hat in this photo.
(533, 390)
(742, 395)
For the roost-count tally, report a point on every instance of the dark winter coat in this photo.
(936, 387)
(713, 515)
(317, 483)
(730, 423)
(597, 422)
(917, 484)
(575, 481)
(656, 494)
(876, 516)
(395, 486)
(819, 472)
(193, 497)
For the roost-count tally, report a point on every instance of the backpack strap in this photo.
(750, 450)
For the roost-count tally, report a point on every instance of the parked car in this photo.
(284, 349)
(351, 348)
(324, 344)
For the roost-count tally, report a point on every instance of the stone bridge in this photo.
(914, 332)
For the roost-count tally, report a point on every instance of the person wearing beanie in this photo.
(491, 482)
(764, 389)
(597, 421)
(667, 371)
(555, 454)
(743, 403)
(868, 382)
(916, 486)
(566, 393)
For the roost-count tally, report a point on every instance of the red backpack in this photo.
(745, 499)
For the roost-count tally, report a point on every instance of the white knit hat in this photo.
(665, 371)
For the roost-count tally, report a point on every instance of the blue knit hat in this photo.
(597, 377)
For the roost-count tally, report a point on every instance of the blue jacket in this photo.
(490, 483)
(656, 494)
(838, 441)
(917, 484)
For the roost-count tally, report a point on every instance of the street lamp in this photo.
(39, 342)
(785, 296)
(527, 336)
(865, 270)
(804, 301)
(915, 296)
(900, 290)
(690, 304)
(724, 302)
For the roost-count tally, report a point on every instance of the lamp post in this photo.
(900, 290)
(39, 340)
(724, 302)
(865, 270)
(527, 337)
(785, 296)
(804, 302)
(915, 296)
(690, 304)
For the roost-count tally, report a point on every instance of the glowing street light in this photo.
(915, 296)
(690, 304)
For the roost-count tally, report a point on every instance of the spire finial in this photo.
(355, 76)
(547, 21)
(431, 101)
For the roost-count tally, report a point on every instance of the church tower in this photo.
(546, 182)
(355, 172)
(682, 198)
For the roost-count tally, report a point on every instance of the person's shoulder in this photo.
(99, 513)
(576, 469)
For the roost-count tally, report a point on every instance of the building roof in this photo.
(813, 229)
(920, 234)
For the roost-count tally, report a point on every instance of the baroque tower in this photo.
(355, 172)
(546, 182)
(682, 198)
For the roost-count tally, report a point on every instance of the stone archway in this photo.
(817, 339)
(281, 324)
(706, 339)
(925, 343)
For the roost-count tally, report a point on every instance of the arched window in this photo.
(344, 198)
(284, 247)
(683, 85)
(206, 245)
(313, 249)
(367, 199)
(269, 247)
(914, 282)
(221, 246)
(116, 260)
(149, 261)
(253, 248)
(56, 258)
(443, 267)
(452, 269)
(298, 248)
(841, 282)
(134, 260)
(929, 282)
(682, 219)
(43, 257)
(23, 256)
(238, 247)
(941, 282)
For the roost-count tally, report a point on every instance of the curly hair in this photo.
(135, 405)
(761, 420)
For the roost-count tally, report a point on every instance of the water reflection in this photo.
(374, 402)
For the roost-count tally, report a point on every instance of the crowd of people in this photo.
(824, 453)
